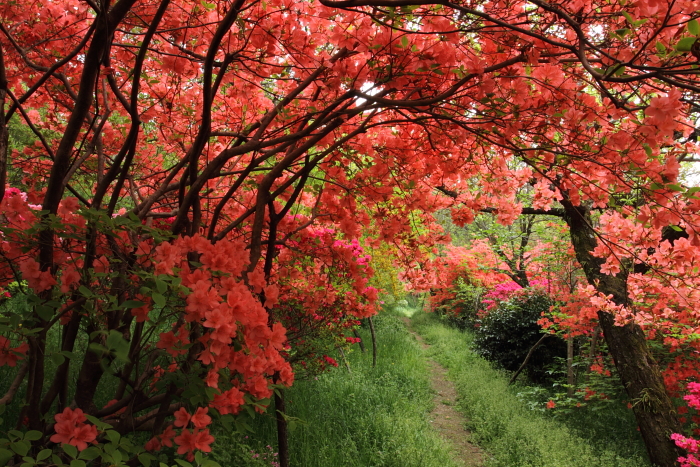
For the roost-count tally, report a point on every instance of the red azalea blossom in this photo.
(189, 441)
(167, 436)
(200, 419)
(182, 418)
(10, 356)
(330, 360)
(71, 429)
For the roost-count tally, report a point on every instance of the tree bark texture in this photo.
(627, 344)
(374, 342)
(361, 342)
(282, 432)
(570, 377)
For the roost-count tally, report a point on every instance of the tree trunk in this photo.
(374, 342)
(345, 360)
(592, 351)
(570, 379)
(627, 345)
(642, 379)
(362, 344)
(594, 345)
(4, 132)
(282, 433)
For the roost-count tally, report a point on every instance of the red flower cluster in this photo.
(188, 441)
(9, 356)
(330, 360)
(71, 429)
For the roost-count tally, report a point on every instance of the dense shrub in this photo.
(507, 332)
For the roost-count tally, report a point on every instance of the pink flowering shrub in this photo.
(507, 290)
(690, 445)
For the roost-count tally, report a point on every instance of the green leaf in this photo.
(90, 453)
(118, 345)
(44, 312)
(97, 422)
(33, 299)
(694, 27)
(116, 455)
(685, 44)
(20, 447)
(98, 349)
(404, 42)
(628, 17)
(113, 436)
(674, 187)
(110, 449)
(158, 299)
(210, 463)
(33, 435)
(5, 456)
(84, 291)
(77, 463)
(676, 228)
(132, 304)
(161, 285)
(57, 359)
(43, 454)
(146, 459)
(71, 450)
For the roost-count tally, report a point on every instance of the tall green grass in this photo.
(372, 417)
(515, 435)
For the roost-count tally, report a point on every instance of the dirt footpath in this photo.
(444, 417)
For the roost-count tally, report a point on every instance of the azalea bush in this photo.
(319, 289)
(689, 443)
(189, 333)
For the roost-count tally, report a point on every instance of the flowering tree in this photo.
(182, 149)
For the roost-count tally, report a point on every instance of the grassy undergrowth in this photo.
(370, 418)
(515, 435)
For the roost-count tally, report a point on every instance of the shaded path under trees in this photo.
(444, 417)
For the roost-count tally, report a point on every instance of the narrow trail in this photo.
(444, 417)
